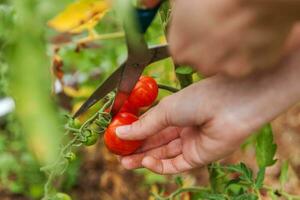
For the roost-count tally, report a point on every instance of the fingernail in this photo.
(122, 131)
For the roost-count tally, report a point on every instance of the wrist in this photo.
(288, 76)
(279, 89)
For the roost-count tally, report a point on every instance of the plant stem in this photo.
(186, 189)
(72, 129)
(258, 194)
(282, 193)
(54, 169)
(168, 88)
(102, 37)
(184, 79)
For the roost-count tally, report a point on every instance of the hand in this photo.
(210, 119)
(234, 37)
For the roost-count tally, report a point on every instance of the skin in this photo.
(210, 119)
(235, 37)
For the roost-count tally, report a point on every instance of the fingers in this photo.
(170, 150)
(163, 137)
(167, 166)
(151, 123)
(179, 109)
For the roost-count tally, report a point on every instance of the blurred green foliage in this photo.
(19, 170)
(24, 74)
(33, 130)
(150, 177)
(30, 80)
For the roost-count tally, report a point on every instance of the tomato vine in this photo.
(78, 138)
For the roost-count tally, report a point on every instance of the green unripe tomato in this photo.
(91, 137)
(62, 196)
(70, 156)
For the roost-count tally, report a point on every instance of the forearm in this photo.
(277, 90)
(287, 77)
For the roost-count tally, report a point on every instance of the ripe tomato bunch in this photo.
(143, 95)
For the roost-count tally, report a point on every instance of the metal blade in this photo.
(114, 80)
(131, 74)
(159, 53)
(107, 86)
(129, 78)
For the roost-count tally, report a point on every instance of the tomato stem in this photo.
(72, 129)
(61, 163)
(185, 79)
(168, 88)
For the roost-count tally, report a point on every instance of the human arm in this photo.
(210, 119)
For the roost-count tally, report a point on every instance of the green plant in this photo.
(238, 182)
(93, 54)
(75, 137)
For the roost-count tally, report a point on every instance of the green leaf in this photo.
(273, 195)
(246, 197)
(199, 195)
(265, 147)
(184, 70)
(284, 173)
(243, 170)
(260, 178)
(236, 189)
(217, 178)
(179, 181)
(214, 197)
(233, 181)
(62, 196)
(150, 177)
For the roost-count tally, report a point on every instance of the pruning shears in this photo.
(128, 73)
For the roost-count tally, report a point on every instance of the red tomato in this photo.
(117, 145)
(144, 92)
(129, 108)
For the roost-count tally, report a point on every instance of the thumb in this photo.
(179, 110)
(153, 121)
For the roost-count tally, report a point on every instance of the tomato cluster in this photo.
(143, 95)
